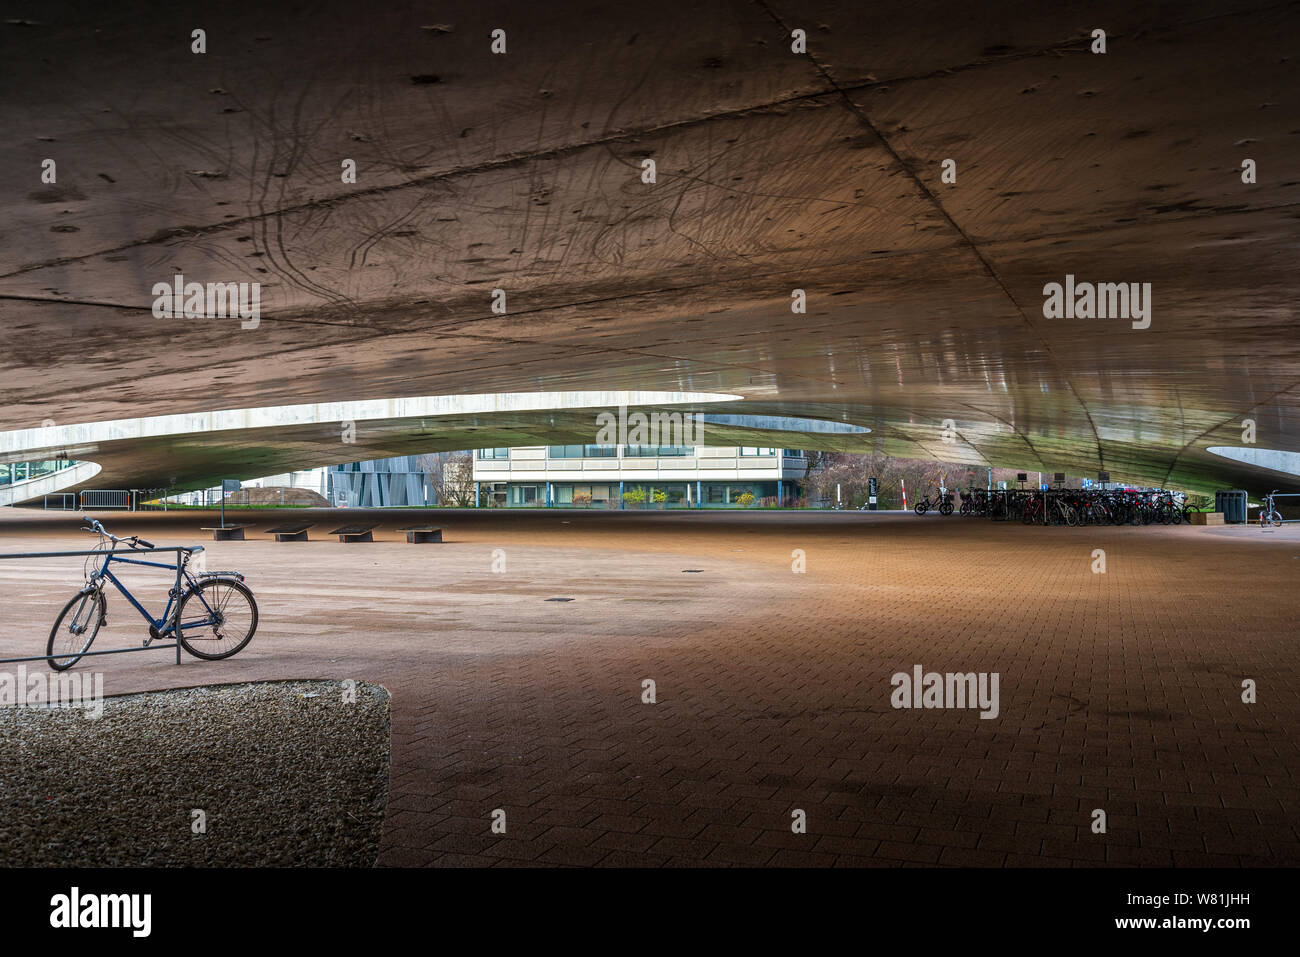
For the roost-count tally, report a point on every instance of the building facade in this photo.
(397, 481)
(614, 476)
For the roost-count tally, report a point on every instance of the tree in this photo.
(451, 476)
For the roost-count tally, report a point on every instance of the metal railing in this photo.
(1268, 506)
(105, 498)
(152, 646)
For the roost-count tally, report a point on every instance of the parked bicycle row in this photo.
(1066, 506)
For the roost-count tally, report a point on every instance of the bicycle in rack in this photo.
(212, 616)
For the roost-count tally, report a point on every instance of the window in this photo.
(656, 451)
(523, 494)
(494, 453)
(582, 452)
(753, 451)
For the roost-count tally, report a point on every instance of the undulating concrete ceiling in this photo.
(775, 171)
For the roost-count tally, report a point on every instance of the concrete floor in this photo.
(1119, 691)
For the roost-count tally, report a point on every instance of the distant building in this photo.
(397, 481)
(599, 475)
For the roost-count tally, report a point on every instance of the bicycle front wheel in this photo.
(75, 629)
(217, 619)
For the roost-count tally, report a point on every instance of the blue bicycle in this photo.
(213, 616)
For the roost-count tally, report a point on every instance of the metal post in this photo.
(549, 499)
(780, 493)
(621, 502)
(699, 494)
(476, 494)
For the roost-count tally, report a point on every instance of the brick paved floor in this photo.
(1119, 691)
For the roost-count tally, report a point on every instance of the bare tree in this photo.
(451, 476)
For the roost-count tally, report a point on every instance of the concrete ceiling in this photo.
(775, 171)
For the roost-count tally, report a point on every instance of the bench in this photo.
(292, 532)
(355, 533)
(422, 534)
(233, 532)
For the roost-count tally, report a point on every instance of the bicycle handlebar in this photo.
(133, 542)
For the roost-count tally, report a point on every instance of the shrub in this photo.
(660, 496)
(582, 498)
(634, 497)
(745, 499)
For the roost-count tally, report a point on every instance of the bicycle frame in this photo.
(159, 625)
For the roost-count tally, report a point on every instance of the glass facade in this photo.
(22, 471)
(582, 451)
(656, 451)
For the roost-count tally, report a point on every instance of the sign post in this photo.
(873, 487)
(227, 485)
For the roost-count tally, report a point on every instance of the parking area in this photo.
(772, 641)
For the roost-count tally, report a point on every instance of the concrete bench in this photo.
(422, 534)
(355, 533)
(226, 533)
(292, 532)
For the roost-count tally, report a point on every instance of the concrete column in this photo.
(476, 494)
(621, 503)
(699, 494)
(549, 499)
(780, 490)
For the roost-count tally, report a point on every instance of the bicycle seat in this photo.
(191, 549)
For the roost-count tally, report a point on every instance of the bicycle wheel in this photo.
(945, 508)
(217, 619)
(71, 637)
(921, 509)
(1275, 519)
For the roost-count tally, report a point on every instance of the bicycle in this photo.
(942, 502)
(214, 607)
(1268, 513)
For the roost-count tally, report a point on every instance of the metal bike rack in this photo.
(100, 552)
(1285, 521)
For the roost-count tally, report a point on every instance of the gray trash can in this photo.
(1232, 503)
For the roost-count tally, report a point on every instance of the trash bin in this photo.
(1232, 503)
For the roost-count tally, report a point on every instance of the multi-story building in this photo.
(610, 475)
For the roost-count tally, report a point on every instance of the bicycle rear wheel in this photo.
(75, 629)
(217, 619)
